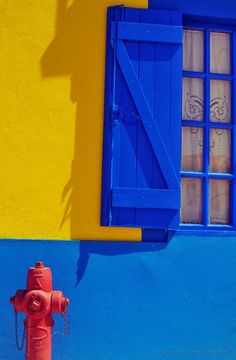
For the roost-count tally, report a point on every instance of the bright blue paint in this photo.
(155, 235)
(222, 10)
(206, 124)
(202, 75)
(206, 139)
(233, 153)
(149, 32)
(132, 300)
(106, 165)
(128, 126)
(146, 115)
(201, 231)
(130, 145)
(147, 71)
(145, 198)
(193, 123)
(175, 108)
(197, 174)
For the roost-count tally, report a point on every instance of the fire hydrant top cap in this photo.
(39, 264)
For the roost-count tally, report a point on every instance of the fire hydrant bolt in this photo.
(39, 264)
(34, 306)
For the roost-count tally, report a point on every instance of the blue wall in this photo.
(216, 8)
(131, 300)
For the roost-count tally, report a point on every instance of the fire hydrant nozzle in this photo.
(38, 302)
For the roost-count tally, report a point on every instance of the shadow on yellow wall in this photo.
(78, 50)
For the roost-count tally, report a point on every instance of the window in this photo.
(166, 83)
(207, 174)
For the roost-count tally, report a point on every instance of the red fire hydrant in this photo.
(38, 302)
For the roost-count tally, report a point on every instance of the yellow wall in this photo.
(51, 104)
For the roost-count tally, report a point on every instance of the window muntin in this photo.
(207, 128)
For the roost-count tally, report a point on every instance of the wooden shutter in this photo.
(142, 128)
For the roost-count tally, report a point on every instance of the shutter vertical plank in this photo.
(145, 154)
(117, 92)
(107, 138)
(161, 106)
(128, 136)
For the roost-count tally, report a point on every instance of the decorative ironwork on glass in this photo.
(192, 107)
(217, 154)
(219, 109)
(220, 102)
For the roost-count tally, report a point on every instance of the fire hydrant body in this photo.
(38, 302)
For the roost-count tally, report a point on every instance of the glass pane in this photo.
(219, 202)
(220, 52)
(192, 148)
(193, 50)
(192, 103)
(220, 143)
(191, 201)
(220, 106)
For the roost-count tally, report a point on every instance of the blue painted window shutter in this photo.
(142, 127)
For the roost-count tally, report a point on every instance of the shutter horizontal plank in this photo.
(146, 198)
(169, 34)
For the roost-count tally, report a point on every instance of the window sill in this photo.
(158, 235)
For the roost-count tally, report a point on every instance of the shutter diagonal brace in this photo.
(146, 115)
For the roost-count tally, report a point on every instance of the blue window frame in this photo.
(208, 178)
(142, 173)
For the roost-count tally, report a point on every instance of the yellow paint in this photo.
(52, 62)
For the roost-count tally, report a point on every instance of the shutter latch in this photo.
(116, 114)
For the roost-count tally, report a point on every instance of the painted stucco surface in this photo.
(213, 8)
(142, 301)
(52, 62)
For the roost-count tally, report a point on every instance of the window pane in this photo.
(220, 143)
(219, 202)
(220, 106)
(193, 50)
(191, 201)
(192, 103)
(220, 52)
(192, 148)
